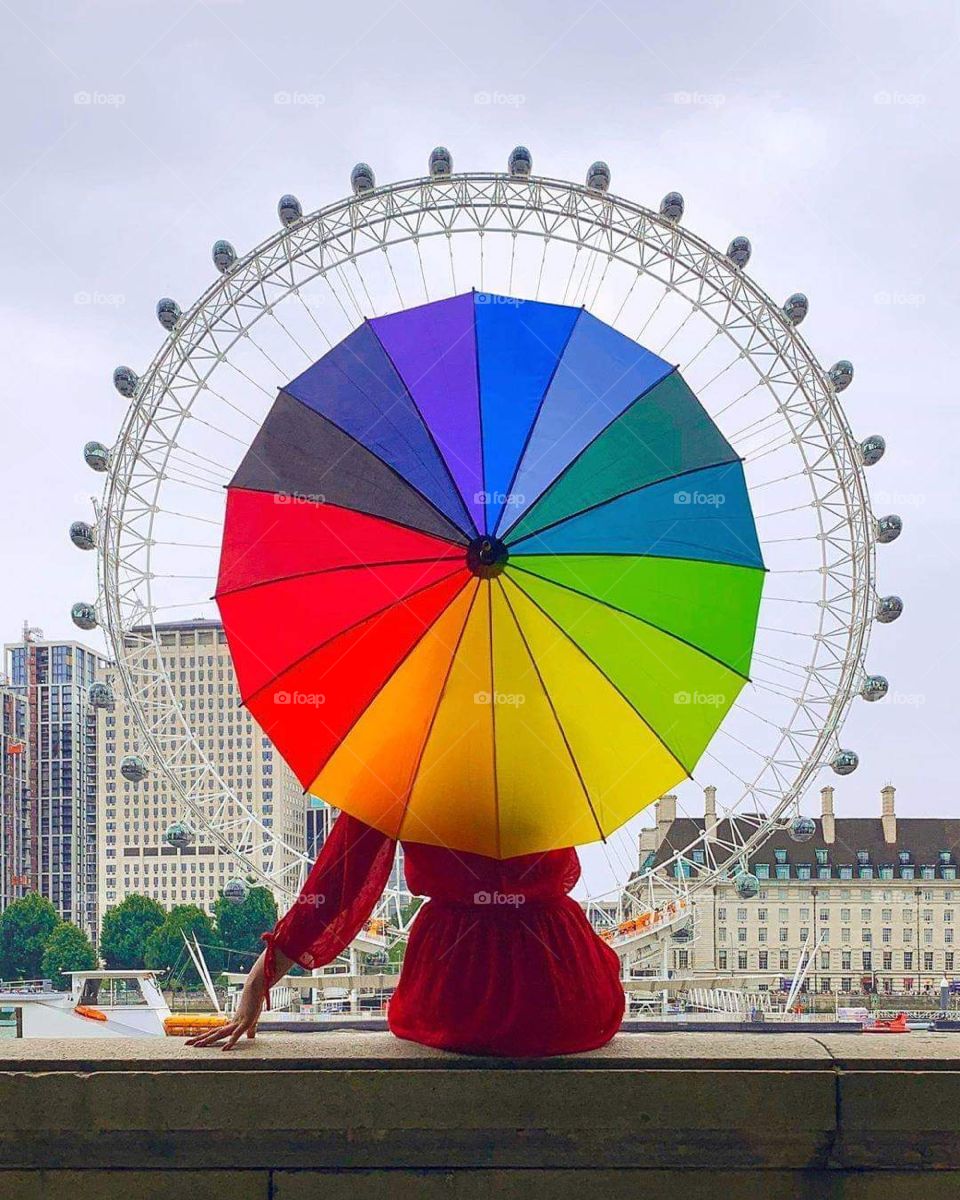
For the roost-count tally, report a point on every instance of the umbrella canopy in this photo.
(490, 576)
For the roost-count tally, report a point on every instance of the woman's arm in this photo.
(338, 897)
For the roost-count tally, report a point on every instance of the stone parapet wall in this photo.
(356, 1114)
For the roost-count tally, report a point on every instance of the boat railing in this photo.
(25, 987)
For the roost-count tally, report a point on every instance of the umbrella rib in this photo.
(493, 719)
(556, 716)
(643, 621)
(393, 470)
(396, 667)
(483, 450)
(436, 710)
(583, 449)
(325, 505)
(729, 462)
(246, 701)
(428, 430)
(359, 566)
(536, 416)
(673, 754)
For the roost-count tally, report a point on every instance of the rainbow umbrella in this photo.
(490, 576)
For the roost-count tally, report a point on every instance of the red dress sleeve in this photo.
(338, 897)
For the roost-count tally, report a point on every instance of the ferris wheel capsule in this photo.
(235, 891)
(83, 615)
(845, 762)
(520, 161)
(598, 176)
(671, 206)
(224, 256)
(841, 374)
(441, 162)
(179, 834)
(801, 828)
(889, 608)
(125, 380)
(889, 528)
(746, 885)
(168, 313)
(739, 251)
(362, 178)
(872, 449)
(874, 687)
(796, 307)
(289, 210)
(100, 695)
(133, 768)
(96, 456)
(83, 535)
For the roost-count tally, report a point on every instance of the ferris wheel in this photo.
(274, 309)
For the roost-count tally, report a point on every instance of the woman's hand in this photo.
(244, 1020)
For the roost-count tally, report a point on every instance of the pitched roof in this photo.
(923, 837)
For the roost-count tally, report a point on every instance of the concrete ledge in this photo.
(357, 1114)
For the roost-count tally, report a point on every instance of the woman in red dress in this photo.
(500, 959)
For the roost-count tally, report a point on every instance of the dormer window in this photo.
(780, 856)
(904, 856)
(863, 857)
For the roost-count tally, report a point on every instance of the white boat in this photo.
(99, 1004)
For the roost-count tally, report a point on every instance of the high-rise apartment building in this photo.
(54, 679)
(14, 816)
(132, 853)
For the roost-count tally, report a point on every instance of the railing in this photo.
(26, 987)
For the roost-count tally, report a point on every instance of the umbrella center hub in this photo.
(487, 556)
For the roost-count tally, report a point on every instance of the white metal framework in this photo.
(279, 307)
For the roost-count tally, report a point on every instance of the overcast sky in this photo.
(135, 133)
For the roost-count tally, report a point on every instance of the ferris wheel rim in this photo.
(503, 193)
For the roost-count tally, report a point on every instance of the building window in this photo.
(846, 985)
(824, 960)
(846, 960)
(741, 914)
(887, 935)
(784, 935)
(825, 984)
(948, 961)
(845, 915)
(928, 960)
(886, 915)
(888, 960)
(722, 960)
(741, 934)
(742, 960)
(784, 916)
(721, 914)
(762, 933)
(867, 960)
(763, 956)
(783, 872)
(762, 870)
(821, 857)
(780, 856)
(908, 960)
(784, 960)
(803, 870)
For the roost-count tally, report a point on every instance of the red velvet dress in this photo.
(499, 961)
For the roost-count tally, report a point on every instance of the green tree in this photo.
(25, 928)
(165, 949)
(239, 926)
(126, 928)
(68, 949)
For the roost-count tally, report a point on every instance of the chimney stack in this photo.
(666, 814)
(888, 815)
(710, 811)
(826, 816)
